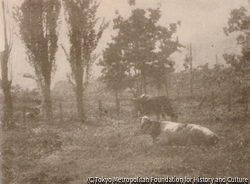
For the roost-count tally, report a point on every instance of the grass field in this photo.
(69, 152)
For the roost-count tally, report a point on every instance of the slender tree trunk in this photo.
(6, 82)
(46, 73)
(47, 100)
(6, 86)
(79, 93)
(191, 73)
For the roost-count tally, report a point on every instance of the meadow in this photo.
(68, 151)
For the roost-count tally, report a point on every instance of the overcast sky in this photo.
(202, 23)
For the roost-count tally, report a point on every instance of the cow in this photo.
(157, 105)
(177, 134)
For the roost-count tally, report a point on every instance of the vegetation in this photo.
(83, 40)
(138, 60)
(69, 151)
(239, 21)
(141, 50)
(38, 30)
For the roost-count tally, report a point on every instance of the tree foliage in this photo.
(37, 20)
(81, 20)
(239, 22)
(141, 50)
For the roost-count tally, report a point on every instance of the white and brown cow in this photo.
(177, 133)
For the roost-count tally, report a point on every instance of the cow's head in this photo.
(145, 127)
(145, 123)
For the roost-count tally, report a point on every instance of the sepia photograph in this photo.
(124, 91)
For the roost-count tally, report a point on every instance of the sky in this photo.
(202, 23)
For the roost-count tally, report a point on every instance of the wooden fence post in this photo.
(212, 99)
(246, 102)
(118, 107)
(100, 108)
(178, 95)
(61, 111)
(201, 102)
(135, 112)
(24, 115)
(229, 103)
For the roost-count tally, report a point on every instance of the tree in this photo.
(81, 20)
(37, 21)
(144, 47)
(239, 21)
(6, 81)
(114, 71)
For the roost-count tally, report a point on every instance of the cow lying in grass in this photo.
(157, 105)
(177, 133)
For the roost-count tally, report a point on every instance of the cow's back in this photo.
(174, 133)
(151, 105)
(156, 105)
(200, 135)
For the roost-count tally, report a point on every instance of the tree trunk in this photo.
(79, 99)
(191, 73)
(47, 104)
(6, 86)
(79, 93)
(5, 82)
